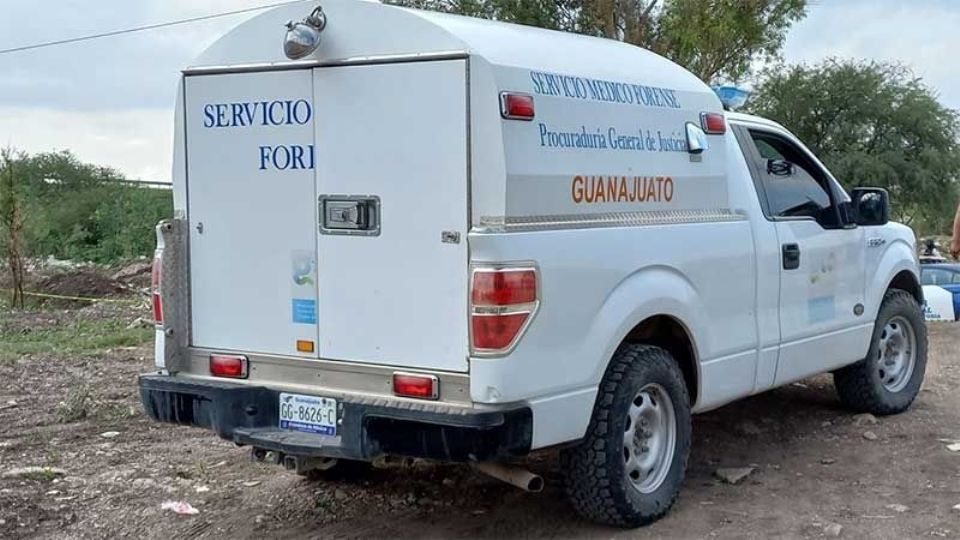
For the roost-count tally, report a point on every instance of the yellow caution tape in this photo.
(80, 298)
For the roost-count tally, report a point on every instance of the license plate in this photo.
(308, 413)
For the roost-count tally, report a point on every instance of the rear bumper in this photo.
(248, 415)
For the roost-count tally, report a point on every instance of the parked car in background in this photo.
(945, 276)
(930, 253)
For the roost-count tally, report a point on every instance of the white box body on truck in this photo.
(446, 238)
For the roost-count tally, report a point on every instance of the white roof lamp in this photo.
(731, 97)
(303, 38)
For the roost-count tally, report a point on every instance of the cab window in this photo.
(939, 276)
(794, 185)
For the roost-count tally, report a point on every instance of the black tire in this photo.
(860, 386)
(595, 473)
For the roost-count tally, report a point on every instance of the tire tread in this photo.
(854, 384)
(587, 481)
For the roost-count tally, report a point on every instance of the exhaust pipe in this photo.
(389, 462)
(514, 476)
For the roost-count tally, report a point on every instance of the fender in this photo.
(648, 292)
(897, 257)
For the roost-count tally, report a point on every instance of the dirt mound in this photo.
(82, 282)
(139, 269)
(135, 274)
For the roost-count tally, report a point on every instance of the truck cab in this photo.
(431, 236)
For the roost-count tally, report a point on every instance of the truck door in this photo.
(392, 191)
(821, 268)
(252, 212)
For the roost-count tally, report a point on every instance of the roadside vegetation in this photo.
(81, 337)
(55, 208)
(81, 212)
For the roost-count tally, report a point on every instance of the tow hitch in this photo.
(301, 465)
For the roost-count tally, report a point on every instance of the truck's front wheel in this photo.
(889, 378)
(628, 469)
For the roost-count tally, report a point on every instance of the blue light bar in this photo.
(731, 96)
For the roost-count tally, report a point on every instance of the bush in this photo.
(76, 406)
(86, 213)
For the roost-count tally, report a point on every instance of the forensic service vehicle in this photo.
(410, 234)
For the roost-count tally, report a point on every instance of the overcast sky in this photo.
(111, 100)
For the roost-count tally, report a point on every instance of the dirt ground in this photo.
(113, 467)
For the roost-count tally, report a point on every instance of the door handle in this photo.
(791, 256)
(350, 215)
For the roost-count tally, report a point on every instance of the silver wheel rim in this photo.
(896, 354)
(649, 438)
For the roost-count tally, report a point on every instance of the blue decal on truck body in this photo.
(821, 309)
(304, 311)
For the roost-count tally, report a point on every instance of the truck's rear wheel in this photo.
(628, 469)
(889, 378)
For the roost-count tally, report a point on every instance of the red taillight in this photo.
(416, 386)
(155, 281)
(504, 287)
(502, 302)
(496, 332)
(226, 365)
(713, 123)
(516, 106)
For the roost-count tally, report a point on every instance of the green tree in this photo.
(72, 210)
(124, 222)
(722, 39)
(872, 124)
(715, 39)
(11, 222)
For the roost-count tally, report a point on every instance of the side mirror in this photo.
(779, 167)
(871, 206)
(696, 139)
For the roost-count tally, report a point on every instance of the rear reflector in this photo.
(227, 365)
(516, 106)
(155, 279)
(504, 287)
(496, 332)
(416, 386)
(713, 123)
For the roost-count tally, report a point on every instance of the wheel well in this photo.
(668, 333)
(906, 281)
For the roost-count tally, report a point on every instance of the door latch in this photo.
(791, 256)
(350, 215)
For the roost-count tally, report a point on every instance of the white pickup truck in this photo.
(438, 237)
